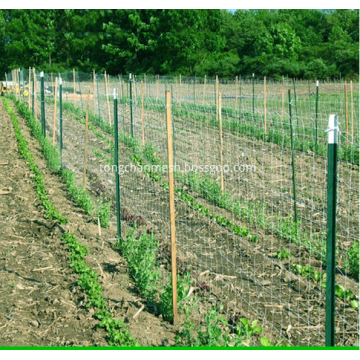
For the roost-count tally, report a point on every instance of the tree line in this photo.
(298, 43)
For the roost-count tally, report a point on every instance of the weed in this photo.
(281, 254)
(353, 260)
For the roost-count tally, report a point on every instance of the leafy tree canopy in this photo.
(297, 43)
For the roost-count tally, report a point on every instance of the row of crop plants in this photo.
(117, 333)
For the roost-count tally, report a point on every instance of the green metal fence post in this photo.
(131, 107)
(296, 109)
(331, 230)
(316, 110)
(116, 163)
(292, 157)
(61, 118)
(42, 104)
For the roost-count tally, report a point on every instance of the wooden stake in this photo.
(35, 89)
(204, 90)
(120, 88)
(144, 84)
(134, 89)
(172, 203)
(54, 124)
(86, 138)
(157, 88)
(99, 227)
(52, 83)
(107, 97)
(282, 104)
(265, 104)
(180, 91)
(217, 97)
(221, 144)
(94, 91)
(15, 77)
(12, 80)
(352, 111)
(142, 113)
(236, 91)
(346, 112)
(29, 84)
(74, 87)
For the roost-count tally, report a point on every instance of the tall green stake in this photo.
(296, 109)
(61, 118)
(316, 111)
(116, 163)
(131, 107)
(43, 127)
(331, 231)
(292, 157)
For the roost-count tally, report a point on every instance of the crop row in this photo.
(251, 125)
(80, 196)
(88, 281)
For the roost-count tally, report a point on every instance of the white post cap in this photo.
(130, 76)
(115, 93)
(333, 129)
(317, 82)
(60, 81)
(42, 74)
